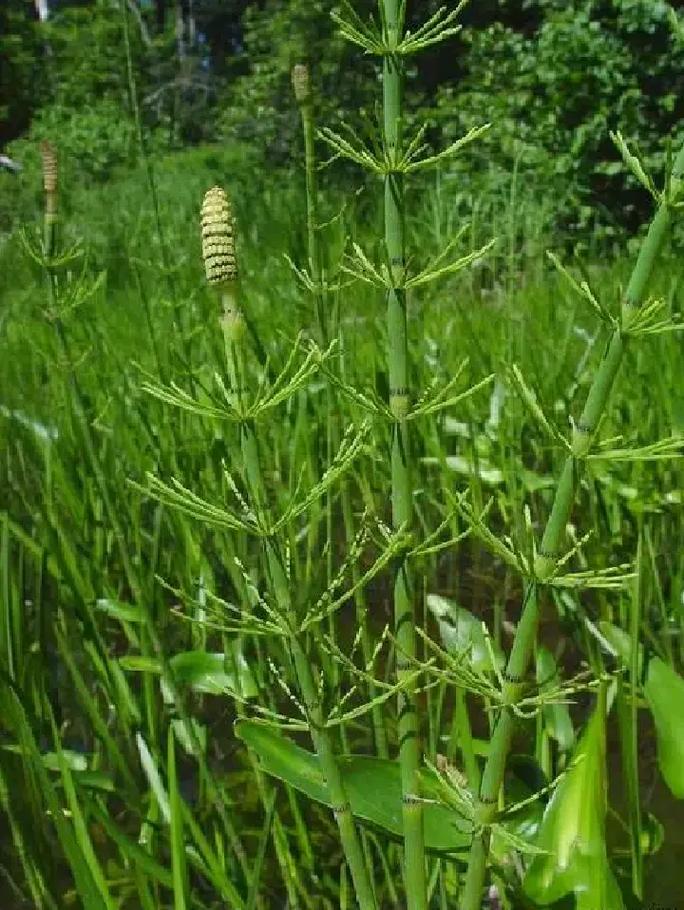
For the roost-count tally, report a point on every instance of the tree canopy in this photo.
(553, 78)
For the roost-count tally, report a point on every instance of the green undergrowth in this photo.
(123, 780)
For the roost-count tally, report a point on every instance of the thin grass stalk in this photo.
(552, 544)
(154, 644)
(301, 84)
(147, 161)
(130, 573)
(402, 493)
(265, 788)
(628, 726)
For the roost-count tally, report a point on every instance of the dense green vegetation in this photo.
(390, 523)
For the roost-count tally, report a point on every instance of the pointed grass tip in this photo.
(218, 237)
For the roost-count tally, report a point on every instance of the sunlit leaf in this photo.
(664, 691)
(573, 831)
(556, 715)
(122, 611)
(460, 631)
(373, 787)
(202, 671)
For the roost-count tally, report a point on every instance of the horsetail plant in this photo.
(320, 289)
(393, 42)
(220, 264)
(265, 491)
(638, 317)
(402, 494)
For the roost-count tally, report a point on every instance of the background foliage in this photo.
(552, 77)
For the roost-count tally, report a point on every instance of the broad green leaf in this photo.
(202, 671)
(77, 763)
(556, 715)
(138, 663)
(122, 611)
(373, 786)
(573, 831)
(461, 631)
(213, 673)
(664, 691)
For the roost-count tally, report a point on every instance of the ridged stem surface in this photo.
(322, 740)
(551, 546)
(402, 505)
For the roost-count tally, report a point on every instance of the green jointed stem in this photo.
(301, 83)
(402, 505)
(552, 542)
(322, 740)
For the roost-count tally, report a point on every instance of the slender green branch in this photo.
(301, 83)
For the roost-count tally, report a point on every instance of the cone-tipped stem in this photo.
(301, 83)
(48, 154)
(218, 250)
(218, 237)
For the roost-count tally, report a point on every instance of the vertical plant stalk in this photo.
(221, 268)
(50, 183)
(220, 262)
(147, 161)
(552, 544)
(402, 504)
(301, 84)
